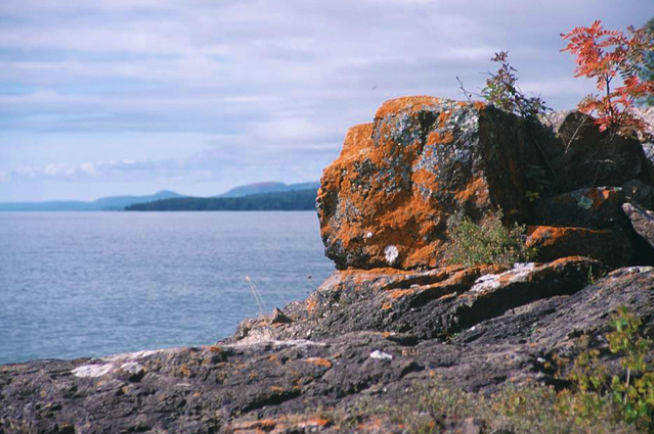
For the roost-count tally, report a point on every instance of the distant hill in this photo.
(119, 203)
(294, 200)
(268, 187)
(112, 203)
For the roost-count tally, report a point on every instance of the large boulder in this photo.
(386, 200)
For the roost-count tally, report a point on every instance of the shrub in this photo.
(502, 91)
(631, 392)
(605, 55)
(515, 410)
(486, 243)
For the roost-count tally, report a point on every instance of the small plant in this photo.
(605, 55)
(486, 243)
(517, 410)
(532, 196)
(631, 394)
(502, 91)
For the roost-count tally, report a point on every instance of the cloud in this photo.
(282, 80)
(216, 163)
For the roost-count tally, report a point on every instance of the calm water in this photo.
(89, 284)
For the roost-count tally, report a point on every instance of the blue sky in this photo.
(105, 97)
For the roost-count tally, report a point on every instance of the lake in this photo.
(92, 284)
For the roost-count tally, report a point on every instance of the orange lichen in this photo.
(477, 190)
(409, 103)
(440, 138)
(479, 105)
(398, 293)
(567, 260)
(319, 361)
(185, 371)
(281, 425)
(443, 117)
(316, 422)
(373, 424)
(261, 425)
(311, 304)
(277, 389)
(372, 272)
(387, 306)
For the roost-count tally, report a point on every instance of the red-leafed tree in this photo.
(615, 60)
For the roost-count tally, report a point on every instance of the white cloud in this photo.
(278, 82)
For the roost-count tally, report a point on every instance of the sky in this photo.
(112, 97)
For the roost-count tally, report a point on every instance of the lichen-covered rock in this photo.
(610, 246)
(386, 200)
(421, 305)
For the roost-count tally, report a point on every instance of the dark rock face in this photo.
(612, 247)
(386, 200)
(591, 158)
(593, 208)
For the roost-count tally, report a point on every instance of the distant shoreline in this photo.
(296, 200)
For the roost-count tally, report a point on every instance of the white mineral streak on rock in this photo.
(380, 355)
(391, 254)
(518, 273)
(92, 371)
(125, 357)
(266, 339)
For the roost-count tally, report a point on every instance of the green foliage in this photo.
(631, 393)
(486, 243)
(516, 410)
(532, 196)
(502, 91)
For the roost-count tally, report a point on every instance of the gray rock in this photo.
(642, 220)
(279, 317)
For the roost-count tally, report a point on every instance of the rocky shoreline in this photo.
(396, 317)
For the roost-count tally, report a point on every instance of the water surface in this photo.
(90, 284)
